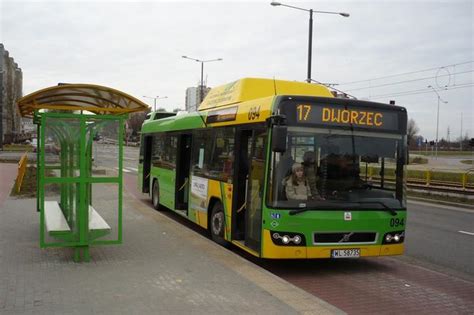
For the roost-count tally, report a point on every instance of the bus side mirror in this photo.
(279, 134)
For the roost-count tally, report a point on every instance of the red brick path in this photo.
(379, 286)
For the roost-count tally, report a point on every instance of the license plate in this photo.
(345, 253)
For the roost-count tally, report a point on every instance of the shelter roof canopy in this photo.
(86, 97)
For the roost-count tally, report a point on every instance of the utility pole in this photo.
(437, 118)
(448, 138)
(460, 142)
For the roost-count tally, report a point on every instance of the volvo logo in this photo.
(346, 237)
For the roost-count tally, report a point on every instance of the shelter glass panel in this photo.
(102, 147)
(104, 211)
(61, 147)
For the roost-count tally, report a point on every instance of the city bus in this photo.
(232, 166)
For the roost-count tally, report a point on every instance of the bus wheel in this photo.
(155, 195)
(217, 224)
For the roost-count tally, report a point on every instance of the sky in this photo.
(385, 50)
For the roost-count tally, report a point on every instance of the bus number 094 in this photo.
(397, 222)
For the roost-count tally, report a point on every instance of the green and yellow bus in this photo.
(228, 168)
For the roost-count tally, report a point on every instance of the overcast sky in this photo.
(137, 47)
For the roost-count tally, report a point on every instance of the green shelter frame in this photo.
(69, 118)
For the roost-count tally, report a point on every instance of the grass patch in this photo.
(17, 147)
(418, 160)
(443, 153)
(28, 187)
(467, 162)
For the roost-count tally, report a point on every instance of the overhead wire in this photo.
(420, 91)
(411, 80)
(407, 73)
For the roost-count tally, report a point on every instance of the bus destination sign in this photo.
(351, 117)
(222, 115)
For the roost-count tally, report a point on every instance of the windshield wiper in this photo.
(392, 211)
(326, 206)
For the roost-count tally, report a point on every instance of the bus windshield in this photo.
(335, 168)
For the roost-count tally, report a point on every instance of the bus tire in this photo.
(217, 224)
(155, 195)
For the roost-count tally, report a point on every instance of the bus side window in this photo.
(157, 150)
(222, 164)
(202, 143)
(213, 153)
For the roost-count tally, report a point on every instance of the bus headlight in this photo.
(297, 239)
(396, 237)
(288, 238)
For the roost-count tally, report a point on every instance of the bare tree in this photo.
(135, 122)
(412, 130)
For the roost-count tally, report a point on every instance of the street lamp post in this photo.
(437, 119)
(310, 38)
(154, 99)
(201, 94)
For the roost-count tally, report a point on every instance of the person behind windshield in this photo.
(296, 187)
(311, 171)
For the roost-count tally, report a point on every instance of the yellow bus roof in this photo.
(254, 88)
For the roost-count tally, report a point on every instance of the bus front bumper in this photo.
(272, 251)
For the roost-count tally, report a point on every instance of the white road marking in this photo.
(468, 233)
(124, 169)
(133, 169)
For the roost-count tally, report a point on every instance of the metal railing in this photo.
(21, 171)
(433, 179)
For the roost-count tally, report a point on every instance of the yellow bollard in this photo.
(428, 177)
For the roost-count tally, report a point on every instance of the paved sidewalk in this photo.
(8, 173)
(162, 268)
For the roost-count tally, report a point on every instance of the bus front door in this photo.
(183, 165)
(248, 187)
(147, 143)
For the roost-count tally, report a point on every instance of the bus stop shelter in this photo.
(80, 130)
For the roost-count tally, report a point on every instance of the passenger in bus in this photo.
(283, 169)
(311, 173)
(296, 187)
